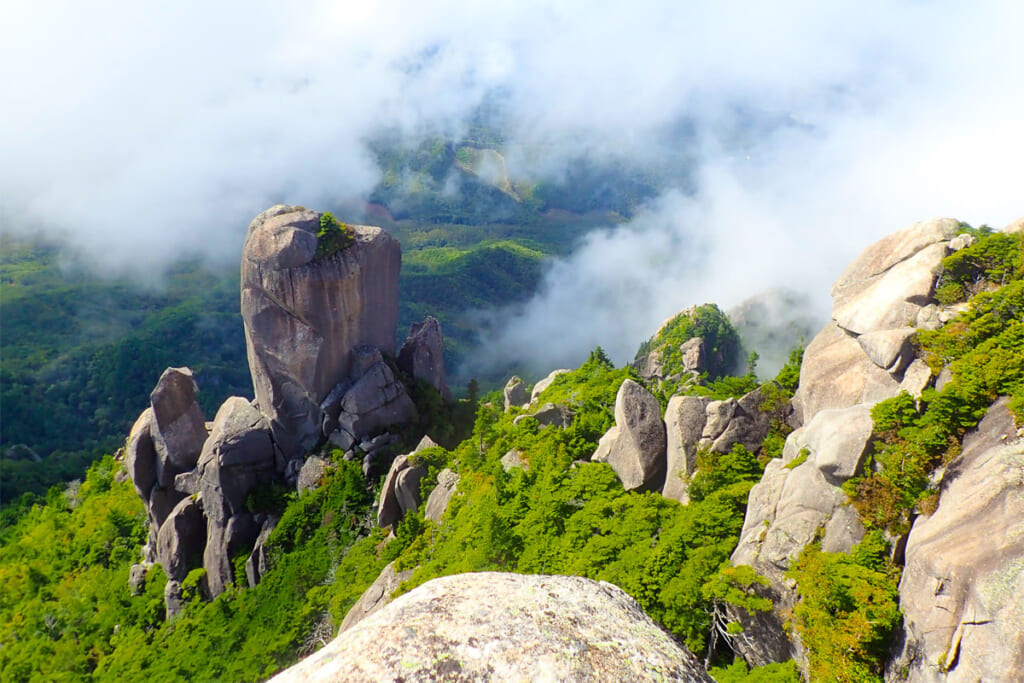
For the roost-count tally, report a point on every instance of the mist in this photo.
(135, 135)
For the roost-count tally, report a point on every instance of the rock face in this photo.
(180, 429)
(685, 417)
(376, 596)
(400, 492)
(515, 393)
(863, 356)
(374, 401)
(549, 415)
(303, 316)
(962, 591)
(635, 446)
(543, 384)
(422, 355)
(437, 501)
(504, 627)
(181, 539)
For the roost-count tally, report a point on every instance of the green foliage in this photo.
(717, 471)
(800, 459)
(994, 259)
(789, 376)
(735, 586)
(848, 611)
(738, 672)
(721, 341)
(332, 236)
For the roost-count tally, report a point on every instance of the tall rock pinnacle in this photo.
(304, 314)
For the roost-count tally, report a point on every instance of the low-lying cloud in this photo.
(136, 133)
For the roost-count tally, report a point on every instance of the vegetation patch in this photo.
(332, 237)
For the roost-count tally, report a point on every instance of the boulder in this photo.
(916, 378)
(635, 446)
(836, 373)
(515, 393)
(238, 455)
(225, 541)
(549, 415)
(304, 315)
(543, 384)
(400, 492)
(1015, 226)
(962, 591)
(504, 627)
(422, 355)
(376, 399)
(693, 356)
(174, 602)
(179, 429)
(889, 349)
(256, 566)
(376, 596)
(437, 501)
(746, 424)
(512, 460)
(311, 473)
(137, 579)
(180, 541)
(140, 455)
(685, 417)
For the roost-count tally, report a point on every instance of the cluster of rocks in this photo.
(649, 453)
(320, 338)
(950, 595)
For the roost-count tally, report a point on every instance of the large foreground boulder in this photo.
(304, 313)
(962, 592)
(504, 627)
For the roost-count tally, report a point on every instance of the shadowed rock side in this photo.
(962, 592)
(303, 316)
(504, 627)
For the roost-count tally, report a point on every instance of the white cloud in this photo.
(142, 131)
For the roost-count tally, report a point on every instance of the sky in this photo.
(138, 131)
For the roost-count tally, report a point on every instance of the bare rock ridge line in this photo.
(320, 331)
(502, 627)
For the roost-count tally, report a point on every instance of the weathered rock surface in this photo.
(140, 455)
(304, 316)
(437, 501)
(797, 496)
(223, 542)
(238, 455)
(180, 429)
(504, 627)
(311, 473)
(256, 566)
(376, 596)
(422, 355)
(376, 400)
(635, 446)
(549, 415)
(685, 417)
(181, 539)
(515, 393)
(400, 492)
(734, 422)
(962, 592)
(693, 355)
(137, 579)
(174, 603)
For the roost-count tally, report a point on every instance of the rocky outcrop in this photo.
(304, 316)
(635, 446)
(512, 460)
(543, 384)
(437, 501)
(376, 596)
(313, 470)
(179, 426)
(515, 393)
(257, 565)
(549, 415)
(878, 301)
(962, 592)
(374, 400)
(422, 355)
(181, 539)
(864, 355)
(736, 421)
(400, 492)
(504, 627)
(685, 417)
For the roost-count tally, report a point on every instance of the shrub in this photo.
(332, 237)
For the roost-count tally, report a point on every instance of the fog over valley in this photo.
(784, 138)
